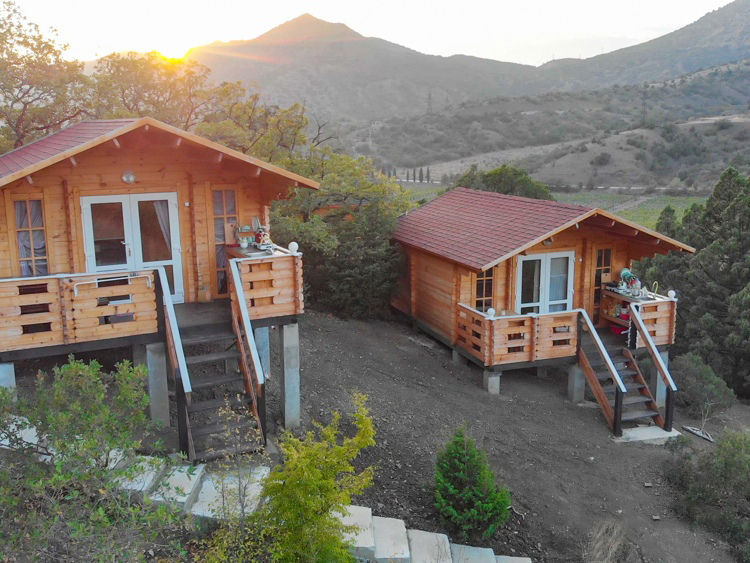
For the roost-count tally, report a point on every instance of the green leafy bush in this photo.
(713, 489)
(70, 507)
(298, 521)
(466, 497)
(701, 393)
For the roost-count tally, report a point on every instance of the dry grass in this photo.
(606, 543)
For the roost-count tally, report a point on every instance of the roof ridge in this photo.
(526, 200)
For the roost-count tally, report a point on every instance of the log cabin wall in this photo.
(160, 165)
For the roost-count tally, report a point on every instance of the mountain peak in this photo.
(307, 28)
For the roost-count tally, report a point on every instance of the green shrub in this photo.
(298, 520)
(713, 489)
(466, 497)
(70, 508)
(701, 393)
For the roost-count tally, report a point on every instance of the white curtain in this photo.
(162, 214)
(25, 242)
(558, 279)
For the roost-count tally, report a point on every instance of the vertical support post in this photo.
(182, 419)
(263, 343)
(154, 357)
(660, 391)
(458, 359)
(618, 413)
(156, 362)
(290, 383)
(8, 377)
(576, 383)
(491, 381)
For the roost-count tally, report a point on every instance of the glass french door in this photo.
(134, 232)
(544, 282)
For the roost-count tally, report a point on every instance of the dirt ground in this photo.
(563, 470)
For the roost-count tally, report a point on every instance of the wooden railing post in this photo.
(669, 410)
(617, 430)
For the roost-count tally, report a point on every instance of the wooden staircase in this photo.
(222, 417)
(637, 402)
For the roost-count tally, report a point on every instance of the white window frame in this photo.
(544, 302)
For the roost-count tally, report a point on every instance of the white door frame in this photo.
(131, 221)
(544, 280)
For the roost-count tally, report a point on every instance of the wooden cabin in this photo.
(122, 232)
(510, 282)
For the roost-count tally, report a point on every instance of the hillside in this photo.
(339, 73)
(556, 135)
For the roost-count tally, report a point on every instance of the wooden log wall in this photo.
(159, 166)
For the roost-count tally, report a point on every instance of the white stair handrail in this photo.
(245, 318)
(661, 367)
(171, 319)
(602, 350)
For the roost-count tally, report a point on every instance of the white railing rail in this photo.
(245, 318)
(170, 318)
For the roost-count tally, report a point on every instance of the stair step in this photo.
(604, 374)
(469, 554)
(206, 337)
(597, 360)
(631, 387)
(220, 427)
(180, 486)
(635, 415)
(634, 400)
(391, 542)
(213, 357)
(362, 540)
(208, 455)
(215, 380)
(426, 547)
(219, 403)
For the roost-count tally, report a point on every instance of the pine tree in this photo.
(414, 175)
(421, 175)
(407, 175)
(466, 496)
(428, 174)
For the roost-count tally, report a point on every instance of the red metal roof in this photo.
(477, 228)
(56, 143)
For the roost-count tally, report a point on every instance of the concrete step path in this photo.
(219, 497)
(509, 559)
(427, 547)
(363, 539)
(469, 554)
(181, 486)
(391, 541)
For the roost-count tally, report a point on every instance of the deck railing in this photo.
(71, 308)
(507, 339)
(272, 285)
(659, 317)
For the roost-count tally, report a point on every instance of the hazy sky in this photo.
(529, 31)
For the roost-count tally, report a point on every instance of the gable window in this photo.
(483, 300)
(30, 237)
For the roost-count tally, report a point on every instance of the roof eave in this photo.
(300, 181)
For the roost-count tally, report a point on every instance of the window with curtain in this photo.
(31, 237)
(483, 300)
(224, 212)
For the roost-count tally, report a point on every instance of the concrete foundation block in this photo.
(363, 540)
(576, 383)
(180, 486)
(469, 554)
(659, 388)
(391, 541)
(459, 359)
(263, 344)
(290, 384)
(146, 473)
(8, 376)
(509, 559)
(426, 547)
(491, 381)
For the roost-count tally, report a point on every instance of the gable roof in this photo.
(481, 229)
(85, 135)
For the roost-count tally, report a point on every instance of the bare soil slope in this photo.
(559, 461)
